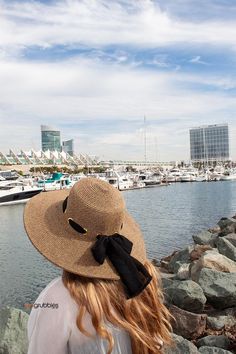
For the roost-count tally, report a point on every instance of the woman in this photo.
(108, 299)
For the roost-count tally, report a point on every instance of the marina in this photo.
(168, 218)
(17, 188)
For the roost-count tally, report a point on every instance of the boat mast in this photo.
(156, 149)
(145, 142)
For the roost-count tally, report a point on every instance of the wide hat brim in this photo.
(51, 234)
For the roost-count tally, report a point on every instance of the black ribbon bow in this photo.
(117, 248)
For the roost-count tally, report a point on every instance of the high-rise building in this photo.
(209, 143)
(68, 146)
(50, 138)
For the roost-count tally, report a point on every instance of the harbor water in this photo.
(168, 217)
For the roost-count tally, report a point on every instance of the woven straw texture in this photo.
(96, 206)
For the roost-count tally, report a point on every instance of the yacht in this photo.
(118, 180)
(149, 179)
(15, 192)
(203, 177)
(57, 181)
(124, 182)
(173, 175)
(218, 173)
(9, 175)
(113, 181)
(229, 175)
(188, 177)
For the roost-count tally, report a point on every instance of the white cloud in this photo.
(100, 23)
(197, 60)
(69, 91)
(103, 85)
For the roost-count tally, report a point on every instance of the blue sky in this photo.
(94, 68)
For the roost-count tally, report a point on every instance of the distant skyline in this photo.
(94, 69)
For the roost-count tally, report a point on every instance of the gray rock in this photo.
(205, 238)
(182, 346)
(166, 282)
(177, 266)
(228, 230)
(226, 248)
(224, 222)
(220, 341)
(166, 278)
(218, 287)
(213, 260)
(13, 331)
(216, 323)
(213, 350)
(231, 238)
(186, 294)
(179, 258)
(221, 319)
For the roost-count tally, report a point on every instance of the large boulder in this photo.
(212, 260)
(186, 294)
(187, 324)
(231, 238)
(226, 248)
(13, 331)
(224, 222)
(218, 287)
(228, 230)
(179, 258)
(213, 350)
(205, 238)
(220, 341)
(182, 346)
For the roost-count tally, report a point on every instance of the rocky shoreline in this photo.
(199, 284)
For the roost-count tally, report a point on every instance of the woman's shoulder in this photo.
(55, 294)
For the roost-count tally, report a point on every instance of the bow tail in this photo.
(133, 274)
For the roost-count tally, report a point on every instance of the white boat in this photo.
(56, 182)
(15, 192)
(9, 175)
(201, 178)
(124, 183)
(149, 179)
(138, 185)
(187, 177)
(229, 176)
(204, 176)
(217, 173)
(171, 178)
(113, 181)
(174, 175)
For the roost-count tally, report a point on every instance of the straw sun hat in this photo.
(64, 227)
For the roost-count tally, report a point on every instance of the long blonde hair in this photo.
(144, 317)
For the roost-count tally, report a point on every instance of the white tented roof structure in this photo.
(40, 157)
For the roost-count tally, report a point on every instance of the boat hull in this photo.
(18, 197)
